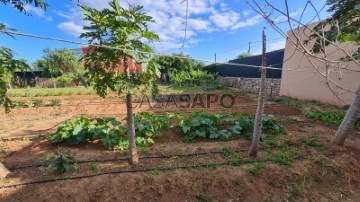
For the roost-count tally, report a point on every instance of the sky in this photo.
(221, 27)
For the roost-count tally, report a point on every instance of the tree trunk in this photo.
(134, 159)
(349, 120)
(3, 171)
(261, 103)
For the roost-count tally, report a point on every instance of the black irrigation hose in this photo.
(152, 169)
(144, 157)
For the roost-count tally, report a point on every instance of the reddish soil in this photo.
(337, 178)
(330, 175)
(40, 120)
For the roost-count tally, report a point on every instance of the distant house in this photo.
(273, 59)
(133, 66)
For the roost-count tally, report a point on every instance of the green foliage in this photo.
(37, 103)
(63, 161)
(18, 104)
(235, 160)
(58, 62)
(329, 117)
(214, 86)
(255, 170)
(284, 157)
(148, 124)
(312, 141)
(64, 81)
(8, 65)
(243, 55)
(343, 26)
(271, 126)
(55, 102)
(127, 29)
(171, 66)
(202, 124)
(194, 77)
(20, 4)
(83, 129)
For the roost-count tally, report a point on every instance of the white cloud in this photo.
(248, 22)
(33, 10)
(225, 20)
(70, 28)
(204, 16)
(277, 45)
(38, 12)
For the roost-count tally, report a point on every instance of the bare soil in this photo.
(166, 172)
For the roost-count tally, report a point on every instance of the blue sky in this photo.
(214, 26)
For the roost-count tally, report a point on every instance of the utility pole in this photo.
(249, 49)
(261, 103)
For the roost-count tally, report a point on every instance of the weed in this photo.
(202, 198)
(312, 141)
(55, 102)
(284, 157)
(329, 117)
(2, 150)
(295, 193)
(37, 103)
(63, 161)
(212, 165)
(255, 170)
(228, 152)
(235, 160)
(242, 93)
(18, 104)
(94, 167)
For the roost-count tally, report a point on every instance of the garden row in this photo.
(199, 124)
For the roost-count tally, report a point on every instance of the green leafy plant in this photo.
(83, 129)
(37, 103)
(329, 117)
(202, 124)
(148, 124)
(54, 102)
(63, 161)
(255, 170)
(18, 104)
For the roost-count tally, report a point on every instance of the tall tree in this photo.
(254, 148)
(57, 62)
(125, 30)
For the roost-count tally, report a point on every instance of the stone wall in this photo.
(251, 84)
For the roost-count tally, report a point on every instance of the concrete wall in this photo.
(301, 80)
(251, 84)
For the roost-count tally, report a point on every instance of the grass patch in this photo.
(255, 170)
(313, 141)
(284, 157)
(155, 172)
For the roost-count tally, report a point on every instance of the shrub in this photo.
(64, 81)
(63, 161)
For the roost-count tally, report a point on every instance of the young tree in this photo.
(254, 148)
(120, 34)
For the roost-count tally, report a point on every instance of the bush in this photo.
(64, 81)
(194, 77)
(63, 161)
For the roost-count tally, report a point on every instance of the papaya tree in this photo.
(121, 36)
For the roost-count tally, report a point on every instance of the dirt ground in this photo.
(174, 170)
(43, 120)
